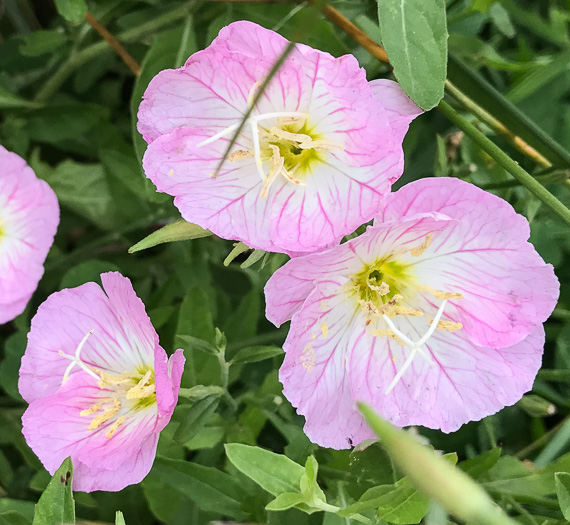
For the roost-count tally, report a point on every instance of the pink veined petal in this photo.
(315, 375)
(508, 289)
(54, 428)
(466, 382)
(12, 310)
(29, 215)
(167, 373)
(133, 470)
(399, 107)
(66, 317)
(459, 200)
(290, 285)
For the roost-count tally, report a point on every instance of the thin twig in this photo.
(356, 34)
(131, 63)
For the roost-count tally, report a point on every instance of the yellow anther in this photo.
(106, 415)
(383, 289)
(450, 326)
(438, 294)
(322, 144)
(112, 380)
(91, 410)
(386, 333)
(324, 329)
(404, 310)
(141, 389)
(418, 250)
(113, 428)
(240, 154)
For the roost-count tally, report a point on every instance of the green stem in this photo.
(81, 57)
(497, 126)
(558, 376)
(539, 501)
(506, 162)
(541, 441)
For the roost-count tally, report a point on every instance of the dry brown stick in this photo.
(351, 30)
(131, 63)
(377, 51)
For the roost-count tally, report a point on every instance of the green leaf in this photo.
(563, 492)
(72, 10)
(179, 230)
(56, 505)
(273, 472)
(478, 465)
(13, 351)
(198, 344)
(256, 353)
(10, 100)
(119, 518)
(210, 488)
(414, 34)
(195, 417)
(285, 501)
(42, 42)
(13, 518)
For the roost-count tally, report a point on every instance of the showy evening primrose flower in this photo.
(314, 160)
(29, 215)
(99, 385)
(433, 316)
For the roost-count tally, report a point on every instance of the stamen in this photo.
(278, 162)
(76, 360)
(321, 144)
(113, 428)
(287, 135)
(107, 379)
(257, 150)
(141, 389)
(218, 135)
(106, 415)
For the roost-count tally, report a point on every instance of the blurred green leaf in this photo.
(273, 472)
(210, 488)
(563, 492)
(179, 230)
(193, 418)
(72, 10)
(87, 271)
(10, 100)
(414, 34)
(13, 351)
(256, 353)
(56, 505)
(119, 518)
(286, 500)
(478, 465)
(13, 518)
(42, 42)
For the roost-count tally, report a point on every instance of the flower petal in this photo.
(399, 107)
(54, 428)
(122, 339)
(167, 373)
(465, 383)
(484, 254)
(315, 376)
(29, 215)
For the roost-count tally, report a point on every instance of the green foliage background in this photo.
(68, 106)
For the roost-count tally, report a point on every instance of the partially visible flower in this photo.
(29, 215)
(314, 160)
(433, 316)
(100, 386)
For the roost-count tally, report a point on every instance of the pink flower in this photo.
(99, 385)
(29, 215)
(314, 160)
(433, 316)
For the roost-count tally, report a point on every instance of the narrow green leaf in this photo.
(414, 34)
(238, 249)
(285, 501)
(56, 505)
(9, 100)
(478, 465)
(72, 10)
(119, 518)
(179, 230)
(194, 417)
(198, 344)
(273, 472)
(42, 42)
(198, 392)
(211, 489)
(256, 353)
(253, 258)
(563, 492)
